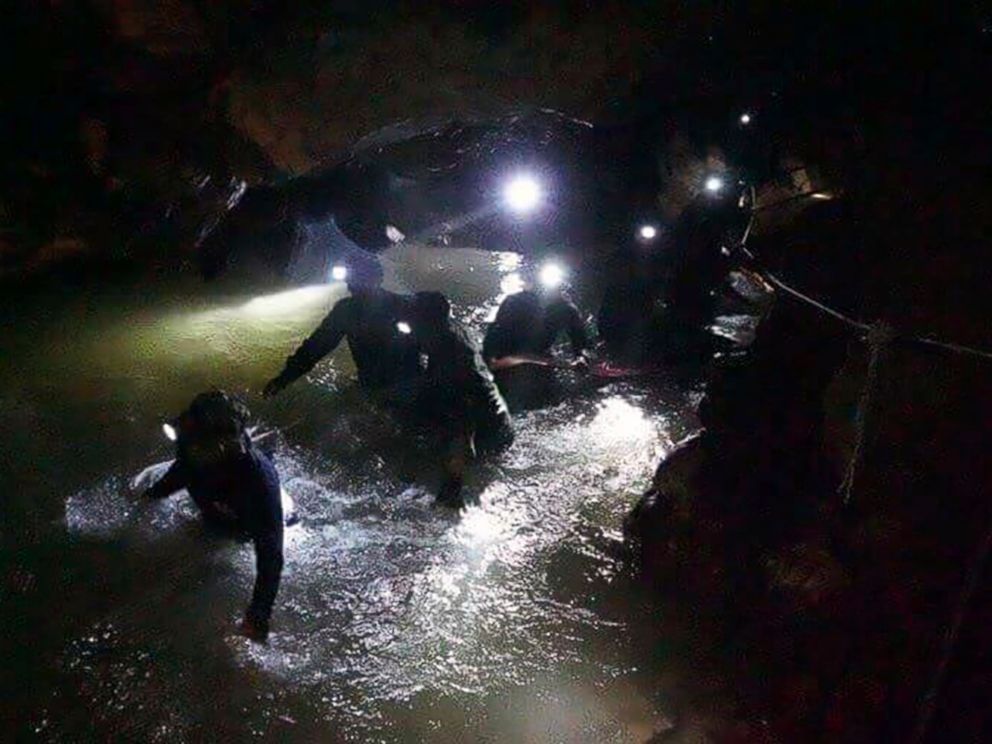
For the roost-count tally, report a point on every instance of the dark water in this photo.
(397, 620)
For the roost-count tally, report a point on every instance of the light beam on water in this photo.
(394, 615)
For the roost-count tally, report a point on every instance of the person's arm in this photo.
(319, 344)
(458, 450)
(265, 522)
(268, 573)
(175, 479)
(515, 360)
(501, 351)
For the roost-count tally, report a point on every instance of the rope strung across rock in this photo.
(776, 282)
(900, 337)
(877, 335)
(859, 325)
(951, 346)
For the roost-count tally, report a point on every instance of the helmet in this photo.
(216, 413)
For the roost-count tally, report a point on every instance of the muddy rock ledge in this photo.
(832, 612)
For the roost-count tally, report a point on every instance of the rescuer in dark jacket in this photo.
(236, 488)
(375, 323)
(517, 345)
(661, 304)
(459, 393)
(700, 254)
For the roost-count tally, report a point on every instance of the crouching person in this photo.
(236, 488)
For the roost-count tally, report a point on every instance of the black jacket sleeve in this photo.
(175, 479)
(268, 572)
(321, 342)
(266, 526)
(564, 316)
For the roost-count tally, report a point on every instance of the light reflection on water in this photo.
(396, 618)
(452, 605)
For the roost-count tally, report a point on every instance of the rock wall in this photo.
(133, 106)
(837, 611)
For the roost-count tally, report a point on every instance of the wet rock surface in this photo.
(140, 126)
(833, 611)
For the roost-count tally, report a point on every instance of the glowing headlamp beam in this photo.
(170, 432)
(551, 275)
(523, 194)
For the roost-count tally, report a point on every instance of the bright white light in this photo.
(404, 327)
(511, 284)
(619, 422)
(170, 432)
(395, 234)
(288, 303)
(552, 275)
(507, 261)
(821, 195)
(339, 273)
(522, 194)
(648, 232)
(481, 526)
(745, 118)
(714, 184)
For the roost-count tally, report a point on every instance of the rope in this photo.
(951, 346)
(774, 280)
(880, 335)
(865, 327)
(877, 335)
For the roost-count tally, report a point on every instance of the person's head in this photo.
(364, 277)
(525, 308)
(213, 427)
(431, 311)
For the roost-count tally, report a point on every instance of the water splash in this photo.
(394, 615)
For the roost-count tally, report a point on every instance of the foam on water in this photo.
(396, 618)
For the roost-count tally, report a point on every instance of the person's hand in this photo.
(273, 387)
(581, 362)
(253, 630)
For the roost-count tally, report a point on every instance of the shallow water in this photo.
(397, 620)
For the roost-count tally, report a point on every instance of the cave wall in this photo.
(136, 122)
(132, 106)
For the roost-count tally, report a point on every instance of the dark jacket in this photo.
(464, 389)
(383, 354)
(243, 494)
(527, 324)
